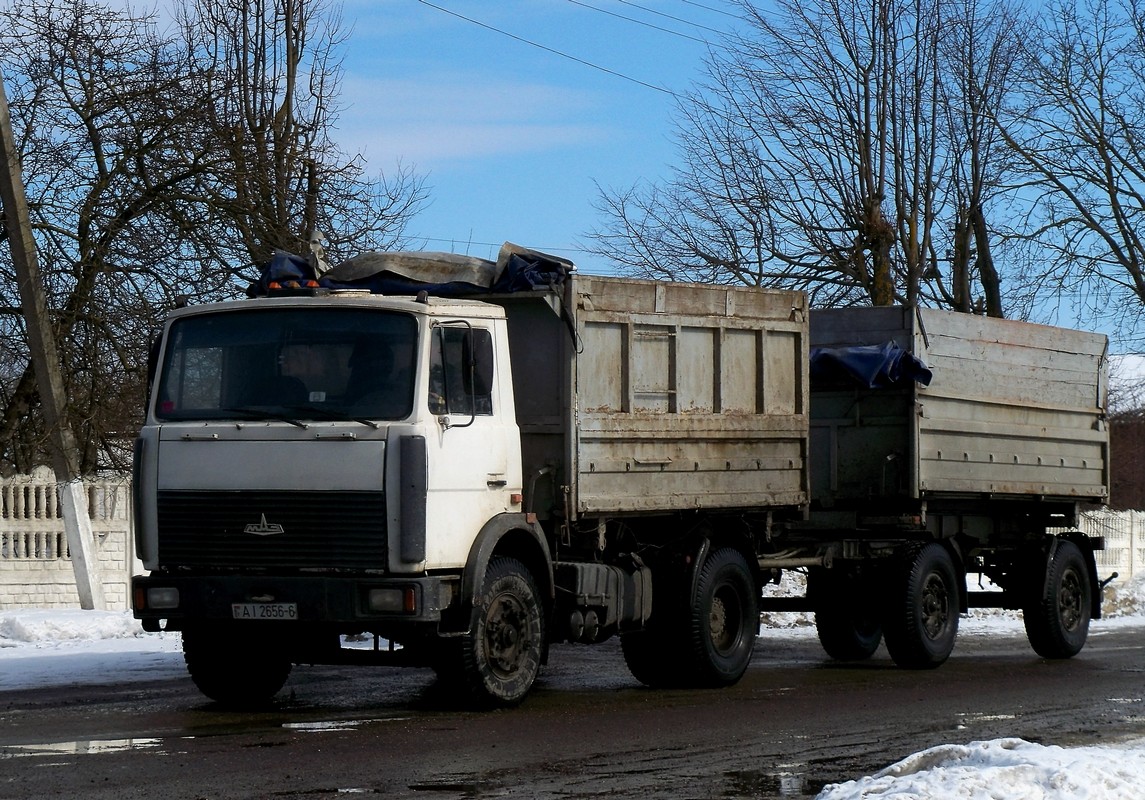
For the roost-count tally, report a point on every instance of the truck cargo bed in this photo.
(1013, 410)
(646, 397)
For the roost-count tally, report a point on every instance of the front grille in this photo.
(268, 529)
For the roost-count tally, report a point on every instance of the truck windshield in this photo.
(289, 364)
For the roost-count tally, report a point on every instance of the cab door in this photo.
(474, 457)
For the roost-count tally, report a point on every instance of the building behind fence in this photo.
(35, 566)
(36, 570)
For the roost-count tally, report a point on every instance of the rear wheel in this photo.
(653, 655)
(648, 655)
(235, 667)
(1057, 613)
(724, 619)
(500, 657)
(846, 615)
(703, 638)
(921, 619)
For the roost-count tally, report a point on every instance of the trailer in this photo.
(943, 444)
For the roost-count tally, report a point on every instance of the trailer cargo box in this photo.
(1012, 410)
(642, 396)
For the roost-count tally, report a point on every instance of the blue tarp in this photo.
(866, 366)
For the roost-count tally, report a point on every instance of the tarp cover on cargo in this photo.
(516, 269)
(867, 366)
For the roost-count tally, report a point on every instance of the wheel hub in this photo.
(1070, 601)
(723, 619)
(505, 633)
(935, 606)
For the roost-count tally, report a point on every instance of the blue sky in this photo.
(513, 139)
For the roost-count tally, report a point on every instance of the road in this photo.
(795, 723)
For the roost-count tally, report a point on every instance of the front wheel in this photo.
(1057, 611)
(921, 619)
(233, 667)
(500, 657)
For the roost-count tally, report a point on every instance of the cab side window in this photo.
(461, 371)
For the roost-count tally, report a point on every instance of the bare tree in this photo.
(155, 166)
(980, 54)
(273, 73)
(101, 104)
(1079, 130)
(823, 154)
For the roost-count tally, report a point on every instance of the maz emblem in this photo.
(263, 528)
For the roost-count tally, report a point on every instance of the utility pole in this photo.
(46, 362)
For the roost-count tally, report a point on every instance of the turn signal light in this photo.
(393, 601)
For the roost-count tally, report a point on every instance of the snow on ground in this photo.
(40, 648)
(1005, 769)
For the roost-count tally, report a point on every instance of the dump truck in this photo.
(466, 461)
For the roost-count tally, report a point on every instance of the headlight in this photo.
(162, 597)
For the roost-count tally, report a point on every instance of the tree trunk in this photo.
(991, 282)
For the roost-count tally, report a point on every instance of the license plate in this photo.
(264, 610)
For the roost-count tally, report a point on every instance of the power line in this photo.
(709, 8)
(669, 16)
(638, 21)
(547, 49)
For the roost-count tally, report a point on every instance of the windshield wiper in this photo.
(253, 413)
(331, 414)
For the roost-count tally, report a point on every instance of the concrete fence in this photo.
(35, 566)
(1124, 533)
(36, 570)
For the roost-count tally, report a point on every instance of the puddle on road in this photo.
(99, 746)
(336, 725)
(966, 720)
(80, 747)
(773, 784)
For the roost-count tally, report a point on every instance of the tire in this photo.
(654, 655)
(1058, 610)
(648, 656)
(846, 615)
(724, 619)
(235, 668)
(921, 616)
(500, 657)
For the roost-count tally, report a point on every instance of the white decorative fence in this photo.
(35, 567)
(1124, 533)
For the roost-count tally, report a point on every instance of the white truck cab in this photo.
(363, 440)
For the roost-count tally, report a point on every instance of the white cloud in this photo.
(446, 117)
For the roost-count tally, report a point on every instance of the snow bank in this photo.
(1125, 598)
(44, 648)
(68, 625)
(1005, 769)
(1014, 769)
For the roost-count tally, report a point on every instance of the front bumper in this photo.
(343, 602)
